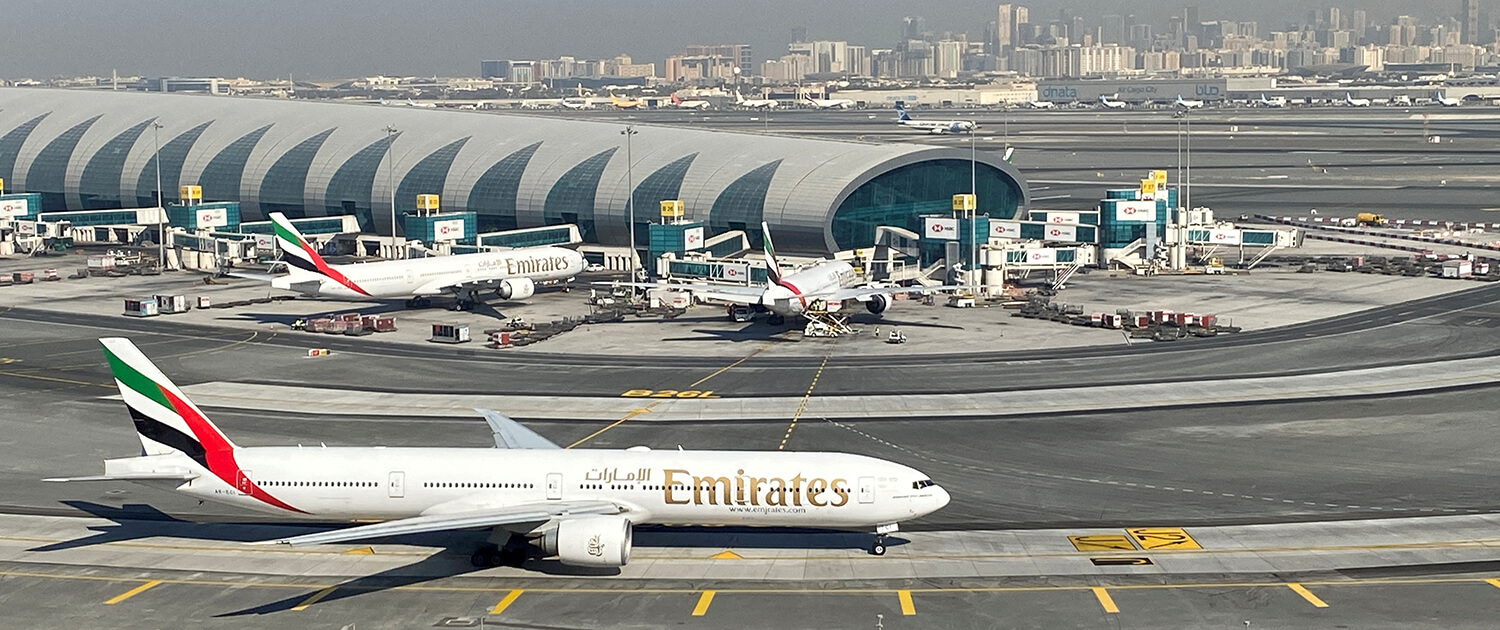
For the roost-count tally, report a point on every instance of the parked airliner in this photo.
(1442, 99)
(1041, 104)
(579, 506)
(1355, 102)
(1108, 104)
(1275, 101)
(828, 282)
(828, 103)
(511, 274)
(1188, 103)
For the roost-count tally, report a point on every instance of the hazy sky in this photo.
(321, 39)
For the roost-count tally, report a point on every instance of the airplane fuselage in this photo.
(787, 297)
(757, 488)
(431, 276)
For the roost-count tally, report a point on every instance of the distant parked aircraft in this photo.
(1108, 104)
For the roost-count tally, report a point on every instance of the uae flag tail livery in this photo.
(773, 268)
(302, 260)
(170, 424)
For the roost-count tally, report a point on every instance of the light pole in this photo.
(1187, 125)
(974, 191)
(630, 199)
(161, 228)
(390, 179)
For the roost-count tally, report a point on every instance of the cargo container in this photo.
(22, 277)
(1162, 317)
(204, 302)
(172, 303)
(318, 325)
(141, 308)
(446, 333)
(1458, 269)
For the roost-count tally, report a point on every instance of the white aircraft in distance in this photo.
(831, 282)
(540, 500)
(756, 103)
(933, 126)
(690, 104)
(1040, 104)
(574, 102)
(1275, 101)
(1442, 99)
(829, 103)
(1108, 104)
(1355, 102)
(1188, 104)
(511, 274)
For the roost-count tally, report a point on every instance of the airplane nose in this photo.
(940, 498)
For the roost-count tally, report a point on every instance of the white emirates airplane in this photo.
(1041, 104)
(511, 274)
(540, 500)
(828, 103)
(933, 126)
(1350, 101)
(1188, 103)
(1108, 104)
(754, 103)
(827, 285)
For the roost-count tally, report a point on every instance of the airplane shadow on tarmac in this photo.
(138, 521)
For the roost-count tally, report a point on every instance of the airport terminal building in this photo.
(96, 150)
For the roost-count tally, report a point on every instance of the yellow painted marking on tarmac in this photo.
(132, 592)
(1493, 582)
(1157, 538)
(731, 366)
(362, 551)
(1307, 595)
(510, 598)
(315, 597)
(907, 608)
(703, 601)
(803, 404)
(53, 379)
(726, 555)
(632, 414)
(1102, 542)
(8, 360)
(1105, 600)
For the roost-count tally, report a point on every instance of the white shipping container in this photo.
(1458, 269)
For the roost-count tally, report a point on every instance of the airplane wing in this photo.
(724, 293)
(490, 517)
(161, 476)
(261, 277)
(864, 294)
(510, 434)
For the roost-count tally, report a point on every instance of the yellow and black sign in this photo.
(965, 202)
(1162, 538)
(669, 393)
(428, 202)
(1160, 177)
(1148, 186)
(1102, 542)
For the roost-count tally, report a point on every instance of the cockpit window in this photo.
(925, 483)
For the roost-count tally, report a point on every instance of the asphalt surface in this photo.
(1337, 458)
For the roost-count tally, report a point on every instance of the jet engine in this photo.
(878, 303)
(516, 289)
(589, 541)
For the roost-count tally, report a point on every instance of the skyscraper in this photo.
(1004, 29)
(1112, 29)
(913, 27)
(1020, 21)
(1191, 22)
(1469, 15)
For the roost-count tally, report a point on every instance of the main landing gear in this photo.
(418, 302)
(464, 300)
(490, 555)
(776, 319)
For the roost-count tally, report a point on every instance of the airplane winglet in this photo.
(511, 434)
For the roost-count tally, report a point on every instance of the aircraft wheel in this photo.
(877, 549)
(512, 556)
(480, 560)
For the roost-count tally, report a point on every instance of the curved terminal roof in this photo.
(308, 158)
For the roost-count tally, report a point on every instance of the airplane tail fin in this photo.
(773, 266)
(165, 420)
(302, 259)
(901, 112)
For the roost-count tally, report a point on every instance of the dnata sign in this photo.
(14, 208)
(942, 229)
(1129, 210)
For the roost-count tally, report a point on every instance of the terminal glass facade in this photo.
(902, 195)
(742, 205)
(285, 185)
(99, 186)
(10, 146)
(221, 178)
(351, 186)
(493, 197)
(428, 177)
(660, 186)
(571, 199)
(173, 154)
(50, 168)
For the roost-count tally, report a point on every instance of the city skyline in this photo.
(447, 38)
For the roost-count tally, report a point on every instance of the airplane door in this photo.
(396, 485)
(243, 482)
(554, 486)
(866, 489)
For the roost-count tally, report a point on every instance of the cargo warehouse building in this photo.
(94, 150)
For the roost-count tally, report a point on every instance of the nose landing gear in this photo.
(877, 548)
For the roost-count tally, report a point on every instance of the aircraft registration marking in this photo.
(1153, 538)
(1102, 542)
(669, 393)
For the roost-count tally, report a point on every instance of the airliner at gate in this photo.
(539, 500)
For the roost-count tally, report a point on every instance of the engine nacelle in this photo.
(590, 541)
(878, 303)
(516, 289)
